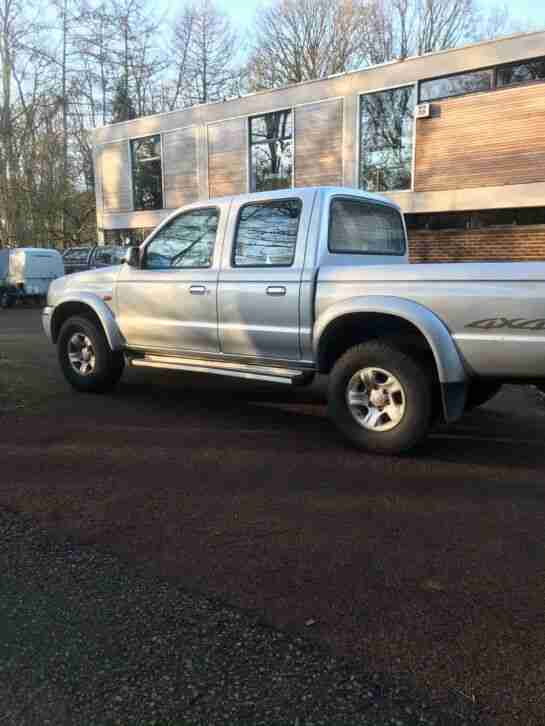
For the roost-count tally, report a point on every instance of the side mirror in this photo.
(132, 257)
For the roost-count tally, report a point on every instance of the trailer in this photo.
(26, 273)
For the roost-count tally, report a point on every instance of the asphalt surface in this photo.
(427, 568)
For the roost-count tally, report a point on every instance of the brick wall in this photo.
(492, 244)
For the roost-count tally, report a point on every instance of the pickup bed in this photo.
(280, 286)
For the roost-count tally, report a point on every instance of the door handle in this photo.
(197, 289)
(276, 290)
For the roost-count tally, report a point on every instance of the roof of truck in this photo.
(294, 191)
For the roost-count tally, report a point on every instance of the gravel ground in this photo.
(86, 638)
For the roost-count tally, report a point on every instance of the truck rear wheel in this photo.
(86, 359)
(380, 398)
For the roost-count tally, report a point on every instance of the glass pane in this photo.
(271, 166)
(147, 185)
(275, 125)
(77, 254)
(521, 73)
(188, 241)
(105, 256)
(148, 148)
(386, 140)
(361, 227)
(267, 234)
(456, 85)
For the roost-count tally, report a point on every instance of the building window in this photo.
(357, 227)
(147, 182)
(271, 154)
(267, 234)
(458, 85)
(386, 140)
(476, 220)
(520, 73)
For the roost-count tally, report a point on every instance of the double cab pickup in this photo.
(284, 285)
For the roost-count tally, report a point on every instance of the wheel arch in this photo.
(351, 322)
(92, 307)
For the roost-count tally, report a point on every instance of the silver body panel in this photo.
(485, 320)
(461, 295)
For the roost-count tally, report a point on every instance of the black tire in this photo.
(108, 365)
(417, 388)
(480, 392)
(5, 300)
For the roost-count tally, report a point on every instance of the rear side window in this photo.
(361, 227)
(267, 234)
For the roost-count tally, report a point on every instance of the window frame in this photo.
(131, 171)
(166, 224)
(264, 202)
(371, 202)
(359, 145)
(490, 69)
(517, 63)
(494, 85)
(249, 120)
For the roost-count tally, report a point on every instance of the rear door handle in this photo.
(197, 290)
(276, 290)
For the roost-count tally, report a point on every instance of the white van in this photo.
(27, 272)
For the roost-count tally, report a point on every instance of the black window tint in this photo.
(359, 227)
(521, 73)
(456, 85)
(271, 151)
(146, 173)
(386, 140)
(267, 234)
(188, 241)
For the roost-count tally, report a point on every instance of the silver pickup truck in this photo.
(280, 286)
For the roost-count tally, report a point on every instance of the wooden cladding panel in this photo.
(318, 144)
(180, 167)
(227, 157)
(115, 176)
(492, 244)
(481, 140)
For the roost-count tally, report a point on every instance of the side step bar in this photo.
(224, 368)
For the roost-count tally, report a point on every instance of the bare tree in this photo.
(402, 28)
(205, 45)
(298, 40)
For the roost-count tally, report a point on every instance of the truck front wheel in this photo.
(380, 398)
(86, 359)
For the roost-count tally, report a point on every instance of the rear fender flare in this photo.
(450, 368)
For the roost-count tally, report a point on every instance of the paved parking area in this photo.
(429, 566)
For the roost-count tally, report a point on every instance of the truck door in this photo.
(260, 276)
(170, 303)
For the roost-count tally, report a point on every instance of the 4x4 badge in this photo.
(512, 324)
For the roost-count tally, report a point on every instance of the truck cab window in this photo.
(359, 227)
(187, 241)
(266, 234)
